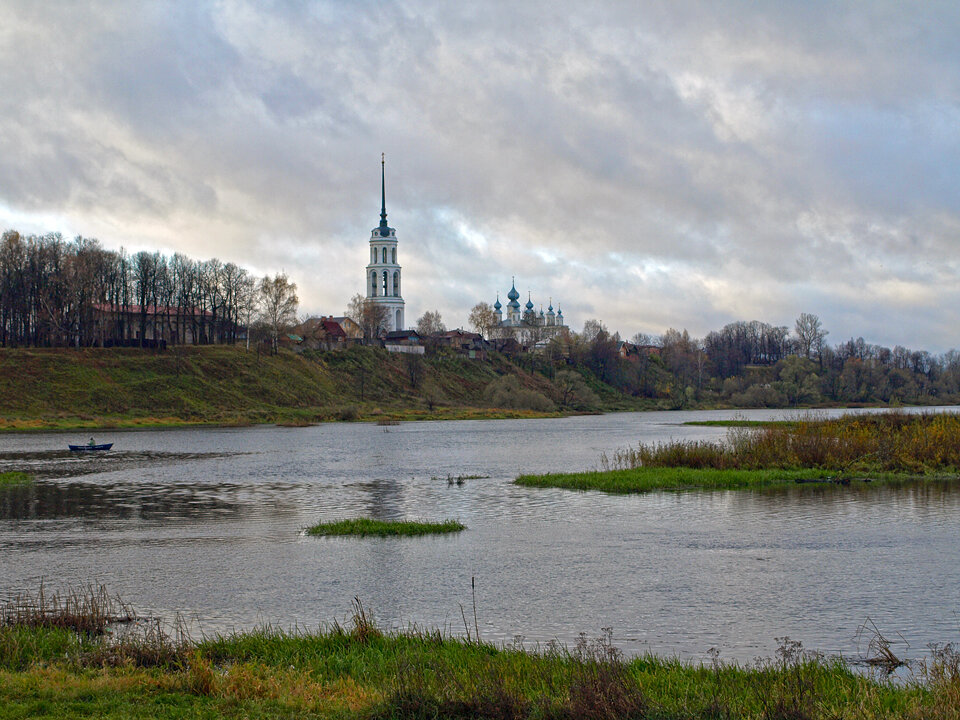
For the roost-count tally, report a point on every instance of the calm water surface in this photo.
(209, 523)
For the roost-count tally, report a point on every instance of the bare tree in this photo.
(278, 305)
(643, 339)
(810, 335)
(591, 329)
(430, 323)
(373, 318)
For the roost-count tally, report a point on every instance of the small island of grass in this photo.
(366, 527)
(15, 479)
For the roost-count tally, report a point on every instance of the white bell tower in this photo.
(383, 272)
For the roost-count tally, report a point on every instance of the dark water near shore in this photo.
(208, 523)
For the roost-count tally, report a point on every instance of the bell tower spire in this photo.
(383, 192)
(383, 271)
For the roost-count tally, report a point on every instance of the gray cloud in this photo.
(669, 164)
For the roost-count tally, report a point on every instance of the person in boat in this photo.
(91, 443)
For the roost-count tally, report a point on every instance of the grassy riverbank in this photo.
(365, 527)
(51, 389)
(49, 669)
(887, 447)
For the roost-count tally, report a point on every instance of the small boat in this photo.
(90, 447)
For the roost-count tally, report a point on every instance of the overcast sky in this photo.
(653, 165)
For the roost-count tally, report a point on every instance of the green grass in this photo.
(364, 673)
(364, 527)
(648, 479)
(743, 423)
(15, 479)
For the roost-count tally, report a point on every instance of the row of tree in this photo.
(57, 292)
(754, 364)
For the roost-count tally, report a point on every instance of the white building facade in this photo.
(383, 272)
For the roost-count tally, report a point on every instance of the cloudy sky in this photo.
(654, 165)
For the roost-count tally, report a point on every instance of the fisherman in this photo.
(91, 443)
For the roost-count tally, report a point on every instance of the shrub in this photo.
(349, 413)
(506, 392)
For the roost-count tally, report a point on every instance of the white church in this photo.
(525, 324)
(383, 288)
(383, 272)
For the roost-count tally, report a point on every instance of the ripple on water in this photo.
(208, 522)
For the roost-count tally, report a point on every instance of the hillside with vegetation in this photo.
(49, 388)
(91, 337)
(128, 387)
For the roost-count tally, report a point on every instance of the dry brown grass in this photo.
(89, 610)
(887, 442)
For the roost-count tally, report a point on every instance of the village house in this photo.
(403, 341)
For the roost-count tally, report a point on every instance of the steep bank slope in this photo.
(60, 388)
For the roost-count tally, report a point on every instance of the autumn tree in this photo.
(482, 318)
(278, 305)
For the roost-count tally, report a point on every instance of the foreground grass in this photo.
(57, 660)
(15, 479)
(362, 672)
(364, 527)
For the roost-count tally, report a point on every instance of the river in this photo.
(208, 523)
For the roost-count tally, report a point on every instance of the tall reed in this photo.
(891, 442)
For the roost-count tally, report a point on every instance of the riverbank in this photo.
(44, 389)
(96, 388)
(50, 669)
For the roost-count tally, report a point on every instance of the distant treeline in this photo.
(55, 292)
(754, 364)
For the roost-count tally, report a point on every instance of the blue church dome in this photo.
(497, 305)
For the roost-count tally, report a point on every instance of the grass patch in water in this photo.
(365, 527)
(648, 479)
(15, 479)
(743, 423)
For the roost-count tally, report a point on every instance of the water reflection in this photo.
(82, 501)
